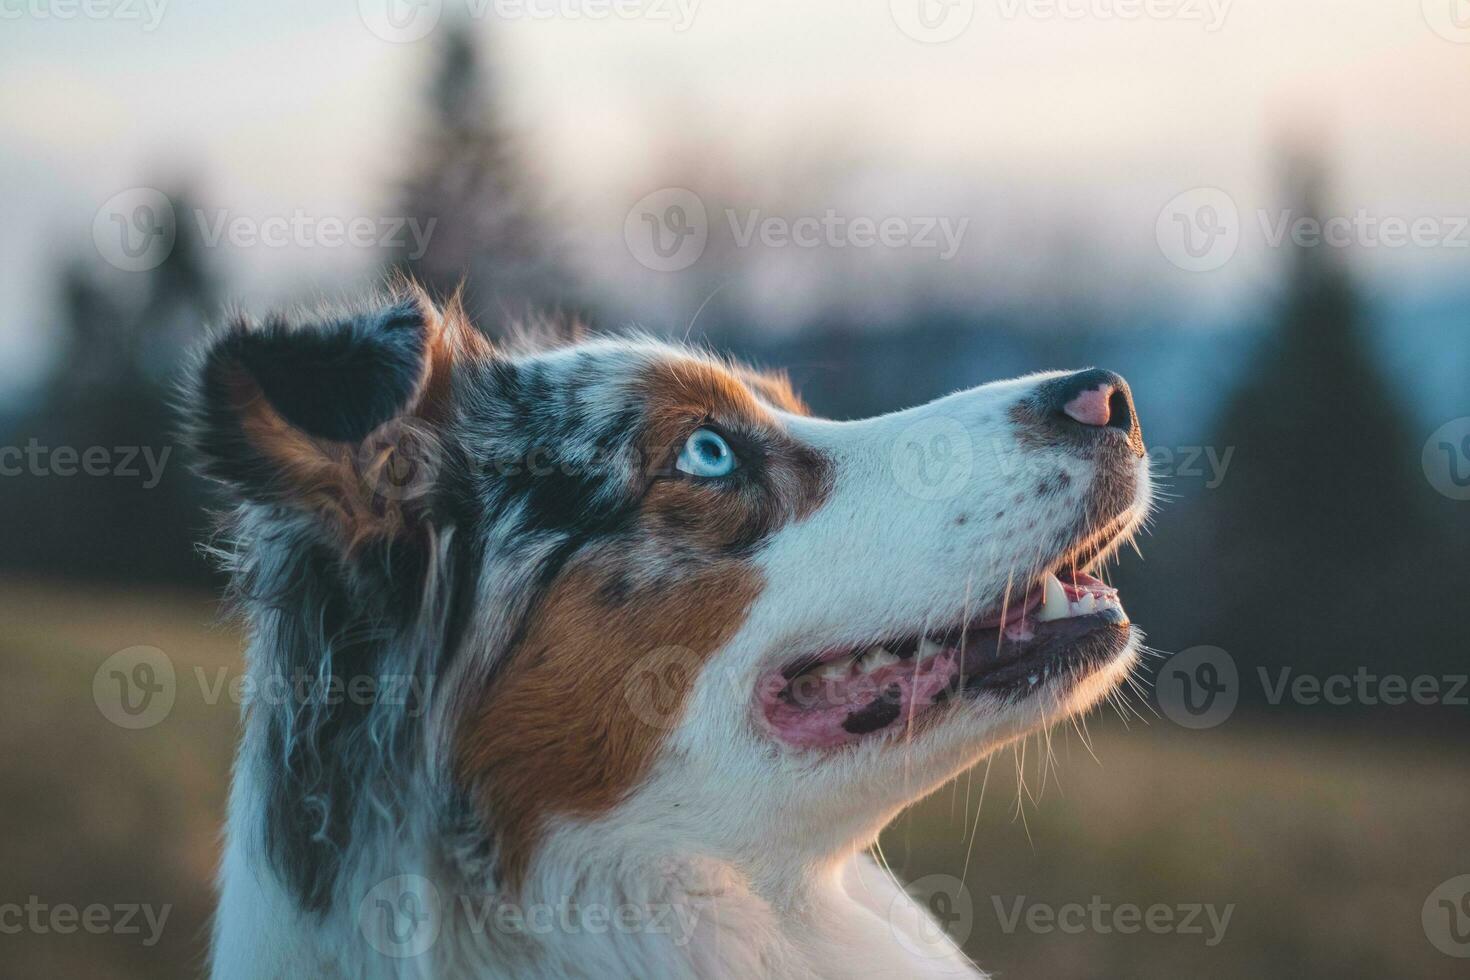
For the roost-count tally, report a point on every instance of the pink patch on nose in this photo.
(1091, 407)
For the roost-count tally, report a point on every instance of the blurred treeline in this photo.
(1321, 547)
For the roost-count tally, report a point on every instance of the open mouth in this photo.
(1065, 626)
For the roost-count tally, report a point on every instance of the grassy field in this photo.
(1322, 847)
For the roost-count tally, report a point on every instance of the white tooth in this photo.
(1088, 604)
(875, 658)
(928, 648)
(1053, 601)
(1020, 631)
(832, 671)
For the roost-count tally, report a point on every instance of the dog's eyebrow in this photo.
(774, 388)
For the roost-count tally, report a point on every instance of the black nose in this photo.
(1093, 399)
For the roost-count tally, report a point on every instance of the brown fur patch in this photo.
(775, 388)
(318, 475)
(452, 339)
(361, 488)
(580, 710)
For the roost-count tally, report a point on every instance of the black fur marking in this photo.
(314, 744)
(1054, 485)
(615, 591)
(340, 380)
(878, 713)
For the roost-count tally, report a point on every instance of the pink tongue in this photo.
(813, 711)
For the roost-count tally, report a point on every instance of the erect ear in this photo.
(340, 418)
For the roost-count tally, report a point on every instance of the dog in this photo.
(605, 658)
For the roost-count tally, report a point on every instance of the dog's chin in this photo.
(1066, 643)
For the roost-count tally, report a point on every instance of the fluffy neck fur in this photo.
(684, 916)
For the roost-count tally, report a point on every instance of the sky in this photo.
(1078, 141)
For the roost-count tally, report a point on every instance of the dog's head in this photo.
(660, 604)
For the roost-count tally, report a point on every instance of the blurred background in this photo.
(1258, 211)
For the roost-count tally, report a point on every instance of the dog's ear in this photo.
(342, 418)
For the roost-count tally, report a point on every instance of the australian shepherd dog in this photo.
(604, 658)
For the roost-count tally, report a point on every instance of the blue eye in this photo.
(706, 453)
